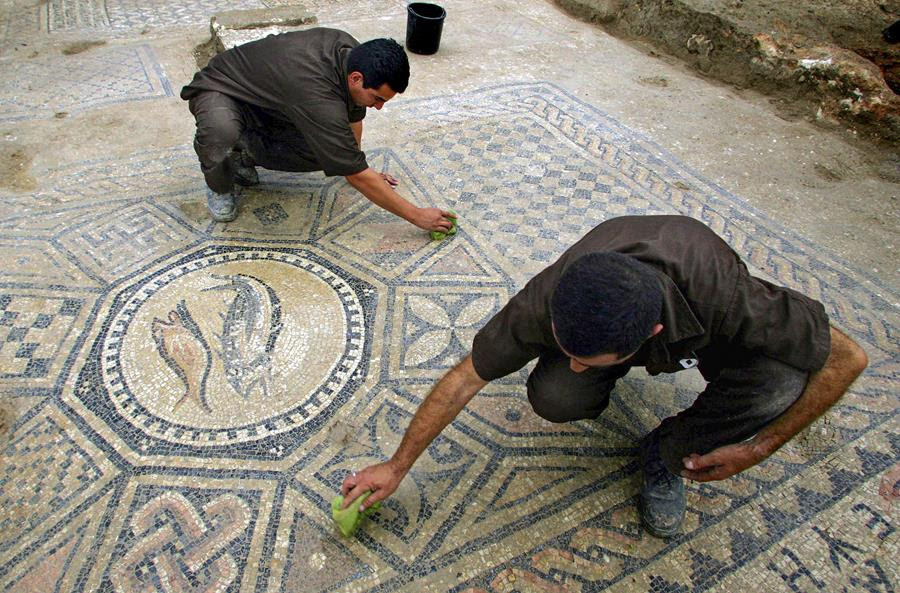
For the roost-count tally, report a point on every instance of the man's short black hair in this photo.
(380, 61)
(605, 303)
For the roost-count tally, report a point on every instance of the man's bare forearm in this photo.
(442, 405)
(825, 387)
(357, 129)
(370, 184)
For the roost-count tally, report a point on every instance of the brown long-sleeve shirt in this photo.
(713, 309)
(299, 78)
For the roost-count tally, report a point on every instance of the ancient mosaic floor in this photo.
(195, 392)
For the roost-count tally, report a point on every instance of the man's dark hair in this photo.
(380, 61)
(605, 303)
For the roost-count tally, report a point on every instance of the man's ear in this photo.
(355, 79)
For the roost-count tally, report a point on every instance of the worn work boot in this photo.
(222, 207)
(244, 170)
(662, 492)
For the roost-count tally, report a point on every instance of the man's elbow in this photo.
(848, 353)
(355, 179)
(465, 375)
(859, 359)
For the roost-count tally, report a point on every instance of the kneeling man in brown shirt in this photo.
(296, 102)
(665, 293)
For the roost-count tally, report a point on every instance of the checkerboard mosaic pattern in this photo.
(189, 427)
(46, 86)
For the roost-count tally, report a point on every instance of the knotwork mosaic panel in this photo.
(228, 376)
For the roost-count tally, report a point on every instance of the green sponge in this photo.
(438, 235)
(349, 519)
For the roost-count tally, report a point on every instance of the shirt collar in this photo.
(679, 321)
(343, 73)
(679, 324)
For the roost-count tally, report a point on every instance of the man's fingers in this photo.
(706, 475)
(372, 499)
(352, 495)
(349, 482)
(358, 489)
(448, 214)
(699, 462)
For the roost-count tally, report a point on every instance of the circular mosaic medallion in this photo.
(231, 346)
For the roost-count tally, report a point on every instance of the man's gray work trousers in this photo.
(738, 401)
(226, 127)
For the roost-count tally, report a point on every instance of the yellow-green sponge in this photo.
(349, 519)
(438, 235)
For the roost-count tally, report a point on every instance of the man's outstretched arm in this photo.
(373, 185)
(844, 364)
(442, 405)
(357, 128)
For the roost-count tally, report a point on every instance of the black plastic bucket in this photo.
(424, 22)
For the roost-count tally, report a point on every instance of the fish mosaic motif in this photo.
(181, 344)
(215, 350)
(250, 328)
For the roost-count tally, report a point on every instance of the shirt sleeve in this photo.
(783, 323)
(515, 336)
(357, 114)
(326, 129)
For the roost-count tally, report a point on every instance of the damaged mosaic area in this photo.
(195, 393)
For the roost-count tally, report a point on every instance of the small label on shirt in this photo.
(688, 363)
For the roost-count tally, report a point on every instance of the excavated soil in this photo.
(825, 60)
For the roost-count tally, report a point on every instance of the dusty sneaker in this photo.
(662, 492)
(222, 207)
(244, 170)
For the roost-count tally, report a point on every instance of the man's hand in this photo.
(392, 181)
(377, 188)
(381, 479)
(722, 463)
(433, 219)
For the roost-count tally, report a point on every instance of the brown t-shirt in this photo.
(713, 309)
(300, 77)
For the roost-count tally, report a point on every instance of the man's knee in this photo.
(215, 138)
(553, 405)
(769, 385)
(220, 125)
(739, 402)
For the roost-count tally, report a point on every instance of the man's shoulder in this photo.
(324, 35)
(652, 224)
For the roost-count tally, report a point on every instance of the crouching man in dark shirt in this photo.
(665, 293)
(296, 102)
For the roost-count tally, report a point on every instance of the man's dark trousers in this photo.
(740, 398)
(225, 125)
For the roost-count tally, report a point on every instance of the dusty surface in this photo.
(15, 164)
(825, 61)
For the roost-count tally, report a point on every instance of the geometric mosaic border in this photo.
(501, 501)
